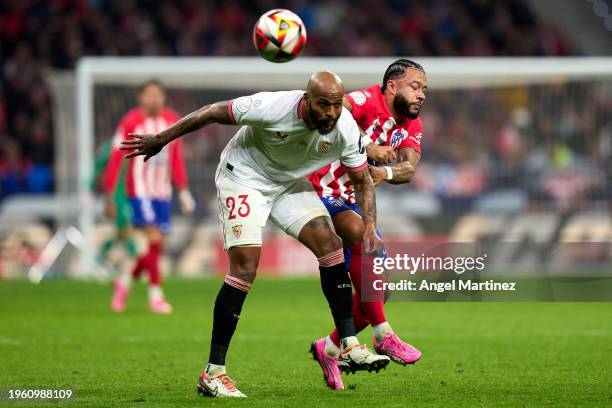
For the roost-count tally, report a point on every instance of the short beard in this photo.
(314, 120)
(402, 106)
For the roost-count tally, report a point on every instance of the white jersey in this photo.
(274, 145)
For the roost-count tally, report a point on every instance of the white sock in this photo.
(155, 293)
(330, 348)
(213, 370)
(381, 330)
(348, 342)
(126, 280)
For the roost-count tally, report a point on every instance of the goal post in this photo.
(256, 73)
(105, 88)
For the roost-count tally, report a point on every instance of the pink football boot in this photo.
(398, 351)
(328, 364)
(120, 296)
(160, 306)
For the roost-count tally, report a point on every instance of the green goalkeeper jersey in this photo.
(124, 211)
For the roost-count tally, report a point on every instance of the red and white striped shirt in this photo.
(153, 179)
(369, 109)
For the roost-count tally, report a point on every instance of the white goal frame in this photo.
(257, 74)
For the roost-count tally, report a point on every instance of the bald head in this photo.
(323, 83)
(323, 105)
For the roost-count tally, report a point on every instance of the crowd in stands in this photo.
(550, 143)
(39, 35)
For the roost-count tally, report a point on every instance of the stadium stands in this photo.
(40, 35)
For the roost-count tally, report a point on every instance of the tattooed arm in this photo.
(402, 171)
(366, 199)
(150, 145)
(405, 167)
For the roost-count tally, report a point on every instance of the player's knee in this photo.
(330, 243)
(243, 264)
(350, 227)
(153, 234)
(245, 269)
(355, 233)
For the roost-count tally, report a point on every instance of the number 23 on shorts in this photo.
(238, 206)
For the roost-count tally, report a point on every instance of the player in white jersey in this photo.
(284, 137)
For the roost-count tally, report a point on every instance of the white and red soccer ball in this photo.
(279, 35)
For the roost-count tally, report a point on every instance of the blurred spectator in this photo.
(39, 34)
(12, 168)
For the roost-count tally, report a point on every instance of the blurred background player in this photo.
(149, 189)
(389, 117)
(123, 209)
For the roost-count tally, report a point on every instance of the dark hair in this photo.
(398, 69)
(153, 81)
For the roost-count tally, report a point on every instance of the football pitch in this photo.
(62, 334)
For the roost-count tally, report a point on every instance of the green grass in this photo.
(62, 334)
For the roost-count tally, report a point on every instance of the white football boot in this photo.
(219, 386)
(357, 357)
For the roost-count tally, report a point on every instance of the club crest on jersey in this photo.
(335, 201)
(237, 230)
(243, 104)
(323, 147)
(397, 137)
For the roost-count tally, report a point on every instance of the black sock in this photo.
(227, 312)
(337, 288)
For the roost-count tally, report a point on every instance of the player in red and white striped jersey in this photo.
(149, 189)
(388, 116)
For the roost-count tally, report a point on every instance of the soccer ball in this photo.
(279, 35)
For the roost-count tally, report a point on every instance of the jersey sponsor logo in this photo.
(359, 97)
(417, 138)
(323, 147)
(243, 104)
(398, 137)
(237, 230)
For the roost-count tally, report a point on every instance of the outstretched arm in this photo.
(150, 145)
(366, 199)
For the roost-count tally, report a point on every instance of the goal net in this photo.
(513, 148)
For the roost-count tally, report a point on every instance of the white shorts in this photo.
(244, 211)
